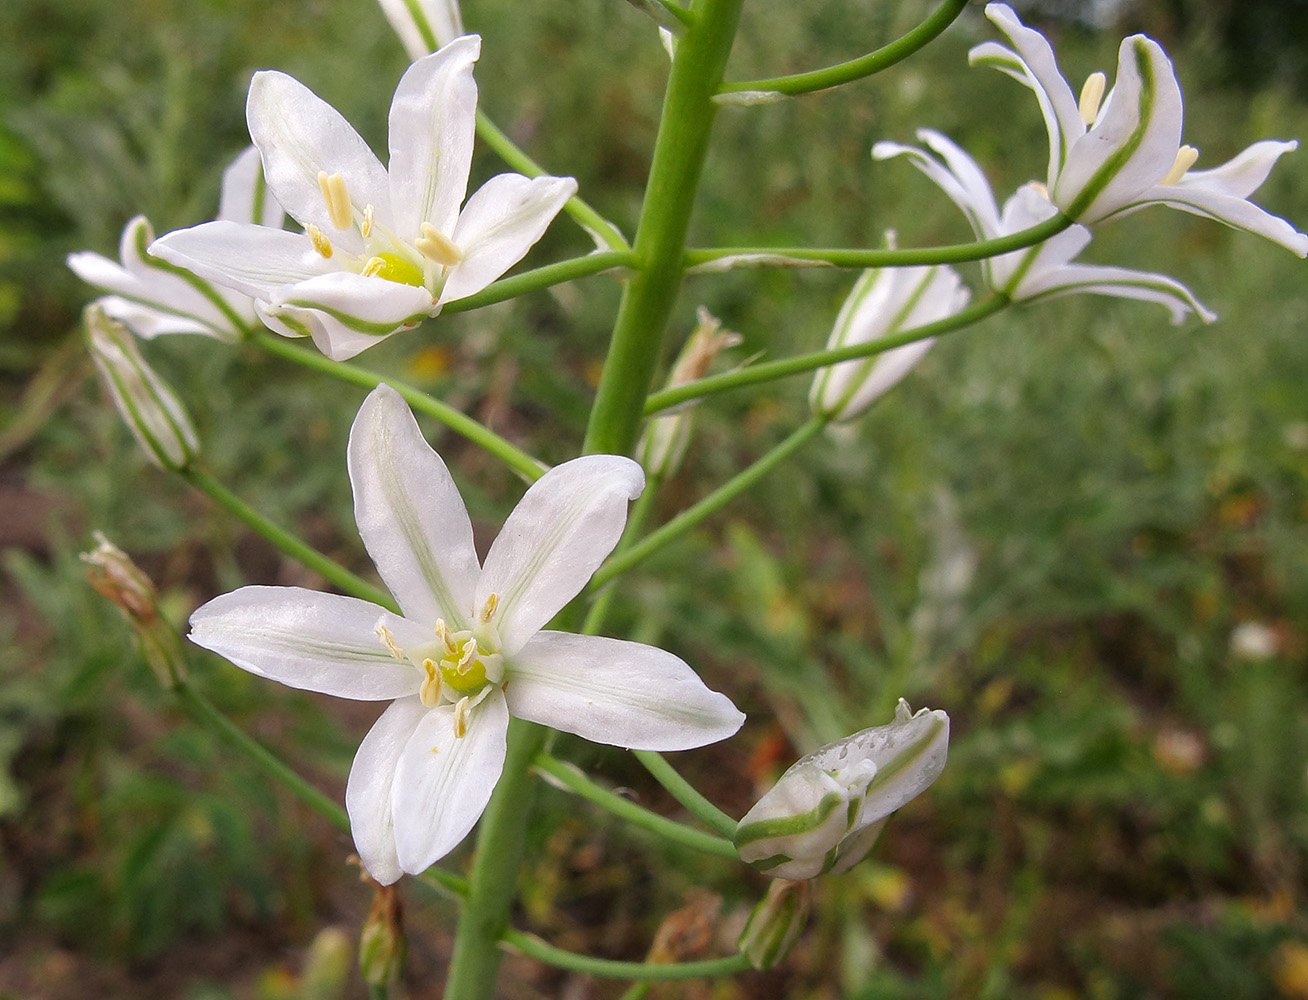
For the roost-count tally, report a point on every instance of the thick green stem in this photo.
(572, 778)
(768, 371)
(484, 917)
(715, 501)
(679, 152)
(531, 945)
(294, 547)
(957, 253)
(864, 66)
(522, 463)
(686, 793)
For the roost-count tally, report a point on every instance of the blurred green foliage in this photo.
(1055, 530)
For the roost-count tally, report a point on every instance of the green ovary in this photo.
(471, 678)
(396, 268)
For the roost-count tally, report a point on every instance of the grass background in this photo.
(1054, 530)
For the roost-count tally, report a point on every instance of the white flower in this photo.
(469, 650)
(152, 297)
(884, 302)
(382, 249)
(1112, 155)
(1044, 270)
(147, 405)
(827, 810)
(423, 25)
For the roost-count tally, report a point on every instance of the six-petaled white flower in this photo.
(1113, 154)
(1046, 269)
(883, 302)
(382, 249)
(152, 297)
(469, 650)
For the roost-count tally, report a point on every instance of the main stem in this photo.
(688, 112)
(679, 152)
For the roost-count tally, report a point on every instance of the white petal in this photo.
(334, 338)
(1058, 104)
(500, 223)
(148, 322)
(556, 537)
(1134, 141)
(1119, 282)
(245, 196)
(368, 792)
(298, 135)
(625, 694)
(304, 639)
(443, 782)
(254, 260)
(410, 515)
(1234, 211)
(372, 306)
(1244, 173)
(432, 123)
(442, 19)
(971, 193)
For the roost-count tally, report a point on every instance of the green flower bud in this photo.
(382, 945)
(775, 924)
(828, 809)
(151, 409)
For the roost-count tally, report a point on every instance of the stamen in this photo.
(388, 640)
(470, 652)
(461, 713)
(443, 634)
(1042, 190)
(492, 602)
(1091, 94)
(373, 267)
(1185, 159)
(436, 246)
(430, 692)
(319, 240)
(365, 230)
(337, 198)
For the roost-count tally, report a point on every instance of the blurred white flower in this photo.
(1115, 153)
(423, 25)
(382, 250)
(469, 650)
(1254, 641)
(827, 810)
(153, 297)
(884, 302)
(1046, 269)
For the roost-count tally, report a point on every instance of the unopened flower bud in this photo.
(884, 303)
(113, 574)
(663, 445)
(151, 409)
(826, 811)
(326, 966)
(423, 25)
(382, 944)
(775, 924)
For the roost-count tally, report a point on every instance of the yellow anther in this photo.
(461, 713)
(1185, 159)
(1091, 94)
(492, 602)
(365, 230)
(388, 640)
(1041, 189)
(373, 267)
(337, 198)
(319, 240)
(436, 246)
(430, 692)
(470, 652)
(443, 634)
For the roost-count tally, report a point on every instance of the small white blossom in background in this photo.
(1254, 641)
(1045, 270)
(1114, 153)
(423, 25)
(150, 297)
(469, 650)
(147, 405)
(382, 249)
(827, 810)
(665, 439)
(884, 302)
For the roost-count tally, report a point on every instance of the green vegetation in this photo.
(1071, 528)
